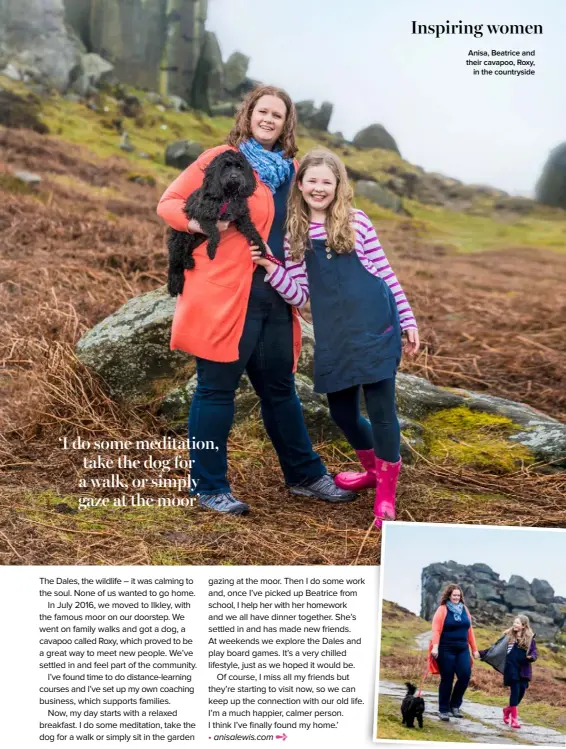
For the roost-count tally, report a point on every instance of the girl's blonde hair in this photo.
(242, 126)
(339, 229)
(525, 636)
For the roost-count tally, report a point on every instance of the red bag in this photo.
(432, 662)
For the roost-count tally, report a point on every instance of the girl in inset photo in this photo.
(513, 655)
(359, 312)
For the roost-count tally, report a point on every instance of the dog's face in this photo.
(230, 175)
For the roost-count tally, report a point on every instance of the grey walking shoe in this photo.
(323, 488)
(456, 712)
(444, 716)
(224, 502)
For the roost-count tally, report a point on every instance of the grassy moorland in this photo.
(483, 283)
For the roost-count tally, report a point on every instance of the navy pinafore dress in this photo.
(355, 320)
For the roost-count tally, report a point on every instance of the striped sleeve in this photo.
(373, 251)
(291, 281)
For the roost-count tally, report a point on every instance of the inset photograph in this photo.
(472, 635)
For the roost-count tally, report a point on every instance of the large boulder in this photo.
(181, 153)
(375, 136)
(91, 71)
(35, 38)
(542, 591)
(551, 187)
(152, 44)
(130, 350)
(125, 351)
(235, 73)
(208, 78)
(312, 117)
(379, 195)
(518, 598)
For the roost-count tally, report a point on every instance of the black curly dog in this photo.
(228, 182)
(412, 707)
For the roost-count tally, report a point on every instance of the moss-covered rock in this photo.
(474, 439)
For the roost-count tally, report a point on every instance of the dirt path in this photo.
(482, 722)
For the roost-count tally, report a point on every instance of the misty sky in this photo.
(361, 56)
(509, 551)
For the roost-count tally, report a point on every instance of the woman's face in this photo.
(455, 596)
(517, 625)
(267, 120)
(318, 187)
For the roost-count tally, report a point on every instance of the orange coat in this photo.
(210, 313)
(437, 626)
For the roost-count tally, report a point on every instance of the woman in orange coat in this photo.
(451, 642)
(232, 321)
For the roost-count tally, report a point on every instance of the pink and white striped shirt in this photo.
(291, 282)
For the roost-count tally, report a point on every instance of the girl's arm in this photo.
(373, 251)
(532, 655)
(291, 281)
(171, 206)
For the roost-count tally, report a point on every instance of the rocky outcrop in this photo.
(375, 136)
(130, 351)
(207, 85)
(551, 187)
(494, 602)
(379, 195)
(35, 39)
(313, 117)
(181, 153)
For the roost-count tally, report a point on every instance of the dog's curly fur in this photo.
(228, 182)
(412, 707)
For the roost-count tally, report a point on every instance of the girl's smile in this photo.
(318, 188)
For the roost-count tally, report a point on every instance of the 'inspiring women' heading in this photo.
(476, 29)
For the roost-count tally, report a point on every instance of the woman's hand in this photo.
(434, 651)
(412, 342)
(263, 261)
(195, 228)
(477, 654)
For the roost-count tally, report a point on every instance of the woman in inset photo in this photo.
(451, 642)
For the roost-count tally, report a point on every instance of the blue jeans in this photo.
(382, 431)
(453, 662)
(266, 354)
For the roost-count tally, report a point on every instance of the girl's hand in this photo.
(263, 261)
(477, 654)
(434, 651)
(195, 228)
(412, 342)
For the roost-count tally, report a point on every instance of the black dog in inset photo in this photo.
(228, 182)
(412, 707)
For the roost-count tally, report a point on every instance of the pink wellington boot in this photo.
(515, 718)
(355, 481)
(387, 475)
(507, 714)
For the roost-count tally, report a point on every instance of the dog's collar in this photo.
(223, 209)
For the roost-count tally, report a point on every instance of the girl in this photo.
(513, 655)
(232, 322)
(333, 255)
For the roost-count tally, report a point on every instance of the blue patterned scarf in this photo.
(272, 167)
(456, 609)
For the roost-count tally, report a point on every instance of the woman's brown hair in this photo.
(242, 129)
(447, 592)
